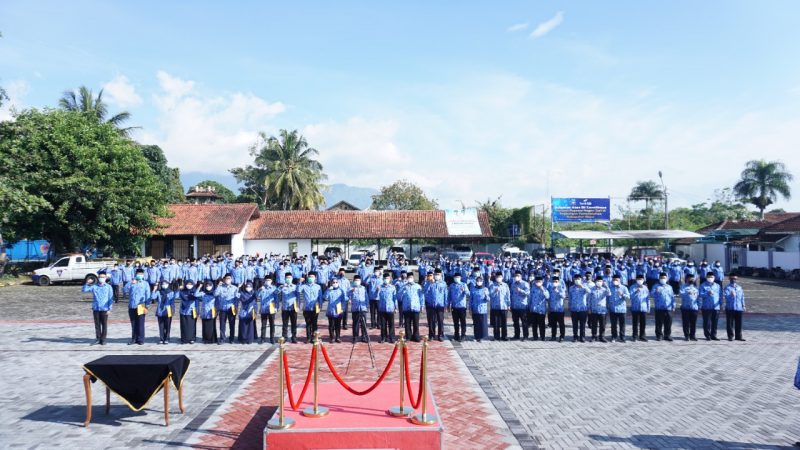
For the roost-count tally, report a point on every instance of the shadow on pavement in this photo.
(76, 414)
(665, 441)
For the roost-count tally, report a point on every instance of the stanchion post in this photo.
(401, 411)
(316, 411)
(423, 418)
(281, 423)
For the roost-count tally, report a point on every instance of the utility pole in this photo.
(666, 201)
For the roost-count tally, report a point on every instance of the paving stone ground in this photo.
(548, 395)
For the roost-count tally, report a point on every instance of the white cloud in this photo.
(547, 26)
(16, 91)
(517, 27)
(121, 92)
(205, 132)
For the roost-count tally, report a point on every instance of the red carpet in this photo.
(355, 421)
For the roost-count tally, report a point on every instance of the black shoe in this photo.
(439, 338)
(477, 340)
(668, 339)
(504, 339)
(294, 340)
(583, 340)
(741, 339)
(708, 338)
(219, 342)
(552, 339)
(382, 341)
(658, 338)
(602, 339)
(686, 338)
(642, 338)
(363, 339)
(730, 338)
(130, 342)
(592, 339)
(574, 338)
(338, 340)
(96, 342)
(102, 342)
(561, 339)
(271, 340)
(344, 327)
(713, 338)
(622, 340)
(692, 338)
(515, 338)
(524, 339)
(140, 343)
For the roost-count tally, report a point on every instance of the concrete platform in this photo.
(355, 422)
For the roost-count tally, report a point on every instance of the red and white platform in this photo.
(355, 421)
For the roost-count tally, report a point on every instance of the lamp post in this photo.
(666, 201)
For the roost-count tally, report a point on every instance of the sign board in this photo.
(513, 230)
(581, 209)
(462, 222)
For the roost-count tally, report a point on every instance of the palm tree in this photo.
(647, 191)
(294, 178)
(84, 101)
(761, 183)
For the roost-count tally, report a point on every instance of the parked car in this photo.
(330, 252)
(672, 257)
(428, 252)
(464, 252)
(483, 257)
(69, 268)
(354, 261)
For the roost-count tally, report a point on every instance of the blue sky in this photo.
(472, 100)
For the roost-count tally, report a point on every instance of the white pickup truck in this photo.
(69, 268)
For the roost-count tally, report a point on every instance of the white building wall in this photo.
(757, 259)
(786, 260)
(279, 246)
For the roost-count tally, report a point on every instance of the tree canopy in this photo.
(285, 174)
(74, 180)
(170, 177)
(402, 194)
(762, 182)
(84, 101)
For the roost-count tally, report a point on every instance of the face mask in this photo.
(356, 282)
(640, 282)
(164, 285)
(538, 284)
(662, 280)
(228, 282)
(517, 279)
(101, 280)
(616, 283)
(716, 265)
(579, 282)
(479, 283)
(248, 289)
(139, 277)
(710, 279)
(457, 279)
(335, 285)
(209, 288)
(437, 277)
(189, 286)
(268, 282)
(311, 280)
(499, 279)
(555, 283)
(288, 281)
(598, 283)
(386, 281)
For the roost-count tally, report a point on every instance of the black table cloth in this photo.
(137, 378)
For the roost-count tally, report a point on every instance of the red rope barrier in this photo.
(414, 404)
(289, 380)
(344, 385)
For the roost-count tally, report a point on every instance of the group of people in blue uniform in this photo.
(536, 292)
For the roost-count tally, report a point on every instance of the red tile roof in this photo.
(207, 219)
(790, 225)
(355, 225)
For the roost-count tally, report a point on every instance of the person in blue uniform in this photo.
(555, 306)
(500, 301)
(435, 302)
(520, 291)
(373, 283)
(664, 303)
(268, 298)
(734, 308)
(689, 307)
(287, 295)
(115, 279)
(309, 294)
(248, 300)
(617, 307)
(164, 297)
(457, 302)
(537, 308)
(640, 306)
(578, 307)
(359, 305)
(344, 283)
(710, 305)
(189, 313)
(411, 301)
(227, 295)
(336, 298)
(598, 307)
(387, 304)
(102, 301)
(207, 305)
(479, 305)
(138, 291)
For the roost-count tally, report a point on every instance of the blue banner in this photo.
(581, 209)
